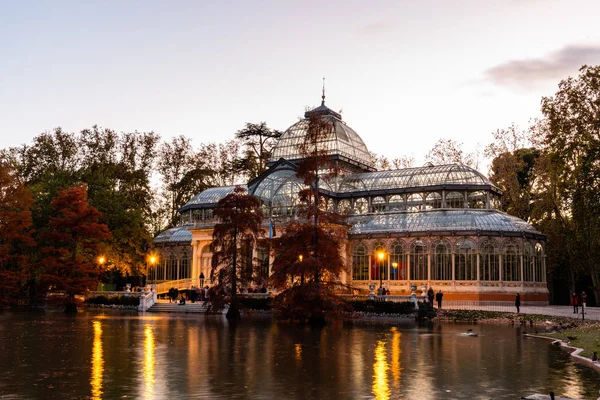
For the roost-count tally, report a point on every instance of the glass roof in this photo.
(279, 188)
(451, 174)
(178, 234)
(340, 140)
(210, 196)
(439, 220)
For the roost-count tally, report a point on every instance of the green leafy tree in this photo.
(239, 225)
(71, 244)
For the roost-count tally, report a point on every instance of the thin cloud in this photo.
(533, 72)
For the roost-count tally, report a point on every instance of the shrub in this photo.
(426, 311)
(382, 307)
(255, 303)
(115, 300)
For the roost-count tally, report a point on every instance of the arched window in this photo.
(528, 261)
(160, 268)
(172, 269)
(418, 262)
(379, 262)
(396, 203)
(441, 263)
(344, 207)
(539, 263)
(378, 204)
(490, 263)
(455, 200)
(262, 254)
(466, 261)
(433, 200)
(477, 199)
(512, 269)
(414, 202)
(397, 262)
(206, 257)
(360, 206)
(184, 266)
(360, 263)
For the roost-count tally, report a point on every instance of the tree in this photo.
(72, 243)
(240, 221)
(382, 163)
(570, 136)
(259, 141)
(448, 151)
(16, 240)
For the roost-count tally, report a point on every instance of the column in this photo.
(478, 273)
(429, 264)
(443, 199)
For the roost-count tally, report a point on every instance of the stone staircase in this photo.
(198, 307)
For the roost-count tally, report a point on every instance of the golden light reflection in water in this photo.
(381, 389)
(97, 362)
(396, 352)
(298, 351)
(149, 362)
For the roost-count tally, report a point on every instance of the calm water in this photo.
(116, 355)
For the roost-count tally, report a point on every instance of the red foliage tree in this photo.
(16, 239)
(240, 221)
(72, 243)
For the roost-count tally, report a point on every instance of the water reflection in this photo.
(149, 362)
(396, 353)
(381, 389)
(97, 362)
(298, 351)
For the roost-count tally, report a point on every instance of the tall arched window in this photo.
(360, 206)
(172, 269)
(344, 207)
(466, 261)
(378, 204)
(379, 264)
(539, 263)
(184, 266)
(455, 200)
(397, 262)
(433, 200)
(360, 263)
(414, 202)
(528, 261)
(396, 203)
(490, 263)
(441, 263)
(512, 269)
(418, 262)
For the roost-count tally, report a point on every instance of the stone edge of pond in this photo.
(573, 351)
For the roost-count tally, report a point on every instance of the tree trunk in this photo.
(71, 305)
(234, 311)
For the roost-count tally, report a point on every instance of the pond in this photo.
(107, 355)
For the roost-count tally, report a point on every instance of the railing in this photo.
(89, 295)
(147, 300)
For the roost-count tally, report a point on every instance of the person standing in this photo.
(583, 300)
(518, 303)
(430, 294)
(438, 298)
(575, 303)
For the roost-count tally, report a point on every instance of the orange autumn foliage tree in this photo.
(72, 243)
(16, 239)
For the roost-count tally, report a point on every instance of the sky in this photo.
(404, 73)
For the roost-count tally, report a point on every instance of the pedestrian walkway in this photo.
(591, 313)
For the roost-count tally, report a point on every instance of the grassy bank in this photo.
(585, 336)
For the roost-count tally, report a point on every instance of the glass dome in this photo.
(451, 174)
(441, 221)
(209, 197)
(279, 188)
(341, 140)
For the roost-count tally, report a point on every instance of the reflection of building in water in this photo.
(436, 226)
(396, 353)
(97, 362)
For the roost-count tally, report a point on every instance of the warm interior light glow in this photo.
(149, 371)
(101, 260)
(380, 255)
(300, 257)
(381, 388)
(395, 264)
(152, 259)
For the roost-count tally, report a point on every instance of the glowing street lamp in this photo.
(153, 259)
(381, 256)
(101, 260)
(395, 266)
(300, 257)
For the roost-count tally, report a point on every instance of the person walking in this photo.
(575, 303)
(518, 303)
(438, 298)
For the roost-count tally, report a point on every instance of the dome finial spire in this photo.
(323, 97)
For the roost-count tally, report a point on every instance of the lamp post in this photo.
(101, 261)
(380, 255)
(152, 260)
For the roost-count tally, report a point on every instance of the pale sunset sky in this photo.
(405, 73)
